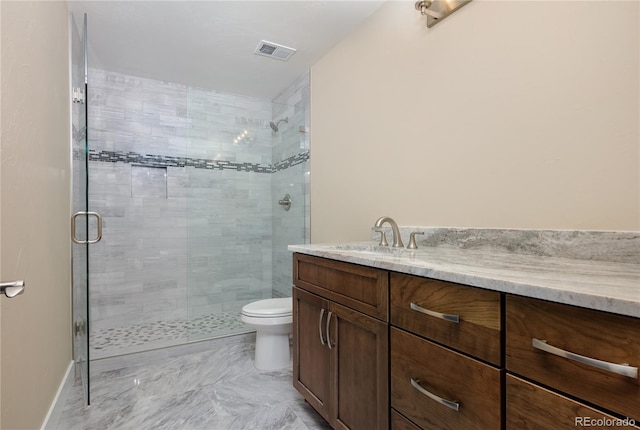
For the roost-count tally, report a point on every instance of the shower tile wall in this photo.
(138, 271)
(290, 227)
(203, 248)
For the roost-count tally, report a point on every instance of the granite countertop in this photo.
(601, 285)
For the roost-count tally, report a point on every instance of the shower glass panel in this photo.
(237, 231)
(290, 160)
(80, 252)
(137, 129)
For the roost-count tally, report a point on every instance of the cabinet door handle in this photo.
(448, 317)
(620, 369)
(320, 326)
(448, 403)
(328, 334)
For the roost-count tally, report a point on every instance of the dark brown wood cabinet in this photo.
(311, 356)
(340, 362)
(377, 350)
(359, 369)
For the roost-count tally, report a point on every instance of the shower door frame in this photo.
(80, 206)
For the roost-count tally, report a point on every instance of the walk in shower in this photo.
(189, 183)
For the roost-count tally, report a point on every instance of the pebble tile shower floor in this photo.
(158, 334)
(214, 389)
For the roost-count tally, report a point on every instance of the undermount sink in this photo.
(370, 249)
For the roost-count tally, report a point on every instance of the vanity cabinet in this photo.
(375, 349)
(589, 355)
(445, 354)
(341, 341)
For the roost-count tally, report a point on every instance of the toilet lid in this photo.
(269, 308)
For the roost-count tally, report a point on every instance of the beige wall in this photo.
(507, 114)
(36, 327)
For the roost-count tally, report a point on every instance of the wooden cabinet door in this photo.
(359, 369)
(311, 356)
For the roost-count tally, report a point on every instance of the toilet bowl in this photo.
(272, 319)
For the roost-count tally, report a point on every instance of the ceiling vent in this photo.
(273, 50)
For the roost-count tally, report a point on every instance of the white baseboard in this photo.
(57, 406)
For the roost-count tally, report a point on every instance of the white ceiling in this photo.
(210, 44)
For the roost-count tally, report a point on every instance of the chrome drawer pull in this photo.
(448, 403)
(448, 317)
(320, 325)
(328, 334)
(620, 369)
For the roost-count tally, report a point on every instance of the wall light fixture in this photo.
(437, 10)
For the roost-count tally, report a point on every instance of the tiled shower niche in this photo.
(148, 181)
(188, 181)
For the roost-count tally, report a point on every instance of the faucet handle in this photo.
(383, 237)
(412, 239)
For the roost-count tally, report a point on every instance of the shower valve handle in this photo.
(285, 202)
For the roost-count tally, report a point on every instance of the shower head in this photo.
(274, 126)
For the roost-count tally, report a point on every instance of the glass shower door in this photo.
(80, 251)
(248, 154)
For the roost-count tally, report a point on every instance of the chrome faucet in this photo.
(397, 240)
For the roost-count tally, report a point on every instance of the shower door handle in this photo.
(73, 227)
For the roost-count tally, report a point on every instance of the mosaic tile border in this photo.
(198, 163)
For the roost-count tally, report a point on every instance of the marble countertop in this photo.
(601, 285)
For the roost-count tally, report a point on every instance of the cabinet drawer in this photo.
(478, 330)
(398, 422)
(440, 372)
(594, 334)
(364, 289)
(530, 407)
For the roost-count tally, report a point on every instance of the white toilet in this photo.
(273, 321)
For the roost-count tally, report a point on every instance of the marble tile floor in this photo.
(215, 389)
(161, 334)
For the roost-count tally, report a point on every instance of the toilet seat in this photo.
(258, 322)
(269, 308)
